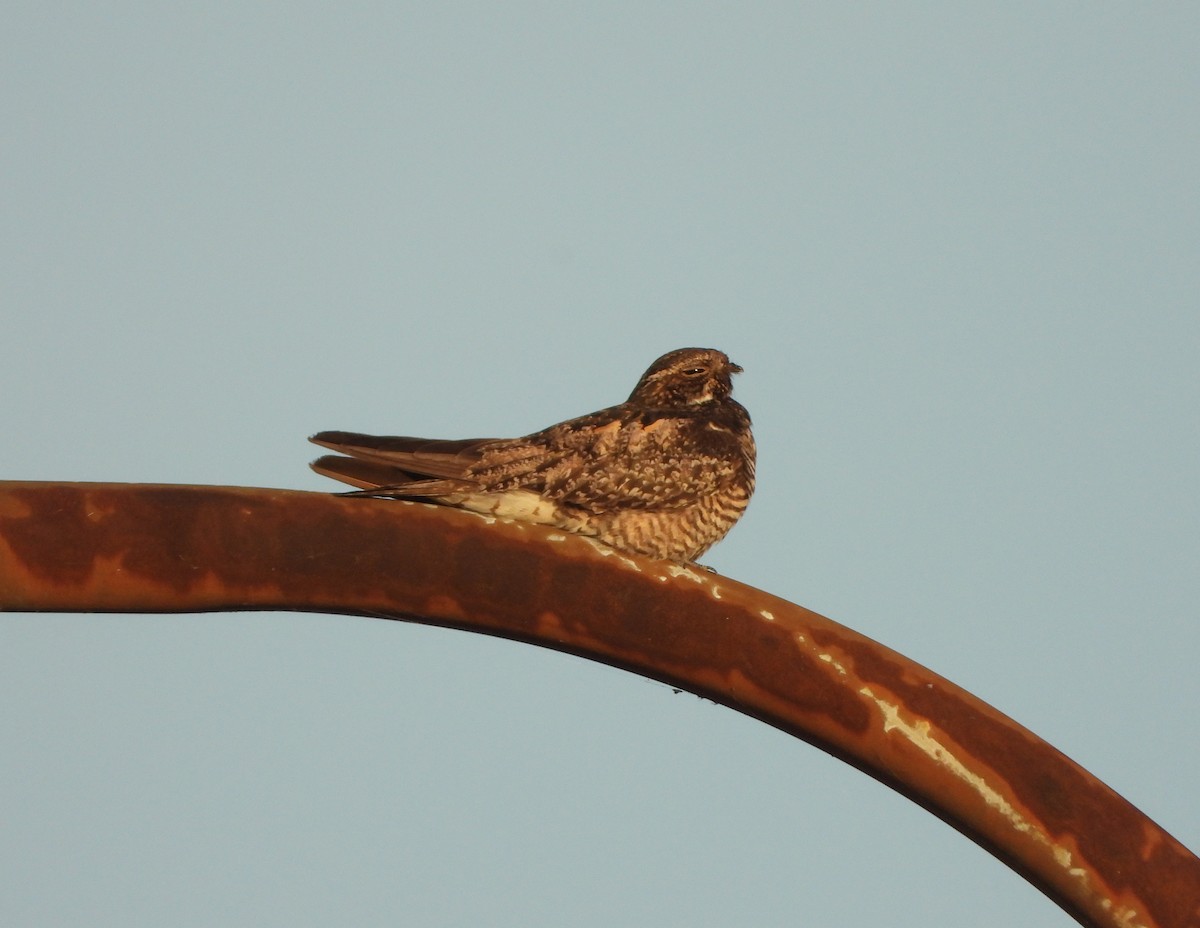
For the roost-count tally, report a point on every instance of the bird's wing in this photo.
(413, 456)
(616, 458)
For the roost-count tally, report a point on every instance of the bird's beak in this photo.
(735, 368)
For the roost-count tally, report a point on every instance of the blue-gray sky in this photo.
(953, 245)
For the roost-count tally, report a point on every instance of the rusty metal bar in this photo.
(147, 548)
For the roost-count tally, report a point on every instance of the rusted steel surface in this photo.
(147, 548)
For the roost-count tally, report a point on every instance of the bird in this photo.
(665, 474)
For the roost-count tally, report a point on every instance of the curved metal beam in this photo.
(147, 548)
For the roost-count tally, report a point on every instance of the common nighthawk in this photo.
(666, 473)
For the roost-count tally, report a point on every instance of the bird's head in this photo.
(685, 378)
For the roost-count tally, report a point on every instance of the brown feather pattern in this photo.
(666, 473)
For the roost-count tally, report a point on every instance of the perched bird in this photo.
(666, 473)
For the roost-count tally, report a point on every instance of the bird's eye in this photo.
(695, 371)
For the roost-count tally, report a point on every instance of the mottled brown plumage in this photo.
(666, 473)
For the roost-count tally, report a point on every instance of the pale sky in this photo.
(954, 247)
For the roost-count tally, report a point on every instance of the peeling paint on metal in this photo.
(918, 733)
(832, 661)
